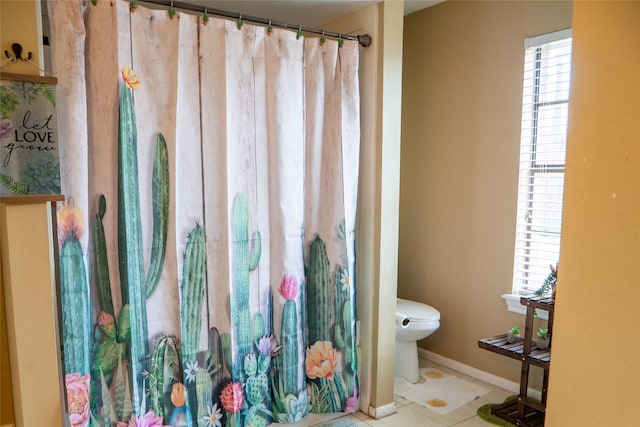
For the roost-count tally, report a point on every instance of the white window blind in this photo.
(545, 108)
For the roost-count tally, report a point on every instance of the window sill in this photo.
(513, 305)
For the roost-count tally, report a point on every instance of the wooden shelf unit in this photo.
(525, 411)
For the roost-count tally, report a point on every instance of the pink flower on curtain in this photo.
(150, 419)
(70, 222)
(78, 398)
(231, 397)
(352, 401)
(288, 287)
(321, 360)
(130, 77)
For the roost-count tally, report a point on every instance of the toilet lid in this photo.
(417, 311)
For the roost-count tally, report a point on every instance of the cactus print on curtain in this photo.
(207, 249)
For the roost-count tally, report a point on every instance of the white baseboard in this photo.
(501, 382)
(382, 411)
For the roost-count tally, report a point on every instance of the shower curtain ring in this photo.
(269, 28)
(205, 17)
(299, 33)
(322, 38)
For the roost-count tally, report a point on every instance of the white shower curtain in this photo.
(207, 241)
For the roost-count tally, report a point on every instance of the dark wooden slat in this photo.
(500, 345)
(509, 412)
(525, 411)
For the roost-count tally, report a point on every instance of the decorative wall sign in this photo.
(29, 156)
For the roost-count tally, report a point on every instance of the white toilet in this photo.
(414, 321)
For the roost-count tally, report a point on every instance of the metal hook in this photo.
(17, 53)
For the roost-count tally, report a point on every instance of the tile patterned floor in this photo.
(413, 415)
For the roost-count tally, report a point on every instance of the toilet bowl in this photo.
(414, 321)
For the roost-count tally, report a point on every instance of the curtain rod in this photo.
(363, 39)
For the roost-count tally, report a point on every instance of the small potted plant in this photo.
(513, 335)
(543, 338)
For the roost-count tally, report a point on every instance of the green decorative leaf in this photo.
(13, 186)
(120, 390)
(46, 91)
(107, 402)
(8, 102)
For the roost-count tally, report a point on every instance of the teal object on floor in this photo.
(337, 423)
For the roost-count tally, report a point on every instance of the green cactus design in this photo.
(244, 262)
(110, 347)
(164, 371)
(258, 326)
(318, 281)
(303, 314)
(204, 387)
(100, 260)
(191, 297)
(288, 408)
(330, 395)
(256, 389)
(270, 325)
(289, 352)
(227, 351)
(216, 362)
(123, 405)
(192, 292)
(109, 412)
(76, 318)
(131, 261)
(344, 336)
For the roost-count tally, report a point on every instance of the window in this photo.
(545, 108)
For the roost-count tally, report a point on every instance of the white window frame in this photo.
(542, 159)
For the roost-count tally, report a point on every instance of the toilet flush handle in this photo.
(402, 320)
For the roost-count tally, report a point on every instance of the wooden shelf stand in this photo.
(525, 411)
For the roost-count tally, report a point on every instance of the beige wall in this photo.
(596, 353)
(27, 257)
(19, 23)
(462, 99)
(378, 200)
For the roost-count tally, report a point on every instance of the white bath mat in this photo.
(439, 391)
